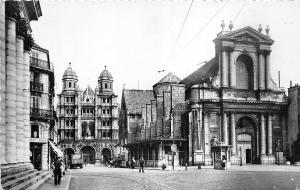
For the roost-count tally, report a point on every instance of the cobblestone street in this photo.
(94, 178)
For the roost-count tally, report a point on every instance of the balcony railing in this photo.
(36, 86)
(35, 62)
(41, 113)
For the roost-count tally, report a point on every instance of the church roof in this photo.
(247, 33)
(88, 91)
(69, 72)
(202, 75)
(170, 78)
(105, 74)
(135, 99)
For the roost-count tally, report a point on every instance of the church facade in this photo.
(230, 100)
(87, 120)
(233, 99)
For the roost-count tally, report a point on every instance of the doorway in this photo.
(36, 155)
(106, 155)
(88, 153)
(248, 156)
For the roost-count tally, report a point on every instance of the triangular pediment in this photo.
(247, 34)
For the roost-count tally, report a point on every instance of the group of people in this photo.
(58, 170)
(141, 164)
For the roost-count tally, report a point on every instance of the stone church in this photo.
(87, 120)
(231, 99)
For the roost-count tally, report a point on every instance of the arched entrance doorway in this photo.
(88, 153)
(246, 131)
(106, 155)
(69, 152)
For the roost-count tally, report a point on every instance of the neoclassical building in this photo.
(15, 131)
(87, 120)
(231, 100)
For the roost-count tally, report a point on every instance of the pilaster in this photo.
(261, 71)
(263, 135)
(233, 134)
(270, 136)
(20, 99)
(190, 137)
(224, 68)
(26, 108)
(11, 87)
(268, 75)
(2, 86)
(225, 132)
(232, 70)
(207, 156)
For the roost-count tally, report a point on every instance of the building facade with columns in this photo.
(15, 45)
(233, 99)
(42, 115)
(87, 120)
(151, 122)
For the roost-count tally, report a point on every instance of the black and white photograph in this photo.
(150, 94)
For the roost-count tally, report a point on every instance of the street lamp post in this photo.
(173, 145)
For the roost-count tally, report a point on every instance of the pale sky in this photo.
(136, 39)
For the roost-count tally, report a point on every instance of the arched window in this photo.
(244, 72)
(105, 85)
(70, 84)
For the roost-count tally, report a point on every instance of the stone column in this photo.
(2, 86)
(233, 134)
(207, 157)
(268, 76)
(225, 132)
(284, 134)
(263, 135)
(190, 137)
(270, 137)
(232, 68)
(224, 68)
(20, 100)
(26, 115)
(199, 113)
(261, 71)
(11, 87)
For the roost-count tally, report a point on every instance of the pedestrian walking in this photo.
(142, 162)
(57, 171)
(132, 163)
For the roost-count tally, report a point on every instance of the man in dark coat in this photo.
(142, 162)
(57, 171)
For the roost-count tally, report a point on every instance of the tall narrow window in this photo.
(70, 84)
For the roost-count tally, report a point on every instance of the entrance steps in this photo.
(25, 180)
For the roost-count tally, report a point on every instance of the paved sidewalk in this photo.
(65, 183)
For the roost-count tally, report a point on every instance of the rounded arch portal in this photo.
(244, 72)
(106, 155)
(69, 152)
(88, 153)
(246, 138)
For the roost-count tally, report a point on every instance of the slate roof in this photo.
(170, 78)
(203, 74)
(88, 91)
(135, 99)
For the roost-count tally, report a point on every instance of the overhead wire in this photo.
(204, 26)
(239, 12)
(184, 21)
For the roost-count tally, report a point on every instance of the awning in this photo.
(57, 151)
